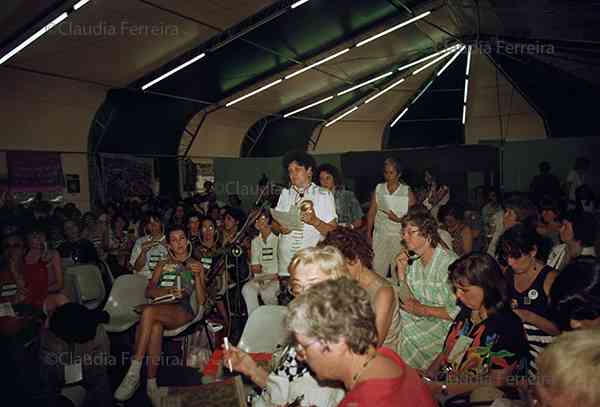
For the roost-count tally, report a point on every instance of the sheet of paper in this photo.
(289, 220)
(397, 204)
(6, 310)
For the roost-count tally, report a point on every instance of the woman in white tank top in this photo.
(384, 230)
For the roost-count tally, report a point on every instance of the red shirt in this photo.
(407, 390)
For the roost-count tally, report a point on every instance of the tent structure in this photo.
(174, 77)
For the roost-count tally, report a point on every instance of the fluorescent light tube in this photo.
(80, 4)
(451, 60)
(399, 117)
(464, 116)
(421, 93)
(34, 37)
(435, 61)
(427, 58)
(340, 117)
(329, 58)
(299, 3)
(318, 102)
(172, 71)
(393, 85)
(394, 28)
(468, 60)
(254, 92)
(360, 85)
(466, 90)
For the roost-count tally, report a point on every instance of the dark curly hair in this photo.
(518, 241)
(302, 158)
(331, 170)
(352, 244)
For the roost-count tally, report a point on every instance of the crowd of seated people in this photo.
(455, 296)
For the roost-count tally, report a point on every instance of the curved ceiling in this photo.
(249, 43)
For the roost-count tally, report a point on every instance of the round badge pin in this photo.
(532, 294)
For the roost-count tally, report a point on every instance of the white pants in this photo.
(268, 292)
(385, 250)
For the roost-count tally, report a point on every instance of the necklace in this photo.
(300, 193)
(362, 369)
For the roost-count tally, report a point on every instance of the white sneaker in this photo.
(127, 387)
(155, 395)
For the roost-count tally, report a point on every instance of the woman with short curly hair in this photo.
(333, 325)
(359, 260)
(430, 304)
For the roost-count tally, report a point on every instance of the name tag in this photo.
(267, 254)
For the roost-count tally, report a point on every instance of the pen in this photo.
(226, 340)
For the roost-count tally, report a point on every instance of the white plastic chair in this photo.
(83, 284)
(264, 330)
(127, 291)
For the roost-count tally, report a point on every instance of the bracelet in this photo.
(444, 390)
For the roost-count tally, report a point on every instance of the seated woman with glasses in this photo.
(486, 344)
(333, 324)
(429, 305)
(290, 378)
(359, 260)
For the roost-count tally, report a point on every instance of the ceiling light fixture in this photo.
(329, 58)
(468, 60)
(172, 71)
(393, 85)
(435, 61)
(80, 4)
(299, 3)
(464, 116)
(466, 90)
(340, 117)
(427, 57)
(318, 102)
(254, 92)
(34, 37)
(360, 85)
(394, 28)
(421, 93)
(451, 60)
(399, 117)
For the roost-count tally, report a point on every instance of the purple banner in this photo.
(30, 171)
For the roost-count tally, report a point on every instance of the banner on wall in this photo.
(126, 176)
(33, 171)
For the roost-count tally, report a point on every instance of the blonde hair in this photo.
(328, 259)
(569, 366)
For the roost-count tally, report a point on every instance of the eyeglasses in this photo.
(409, 232)
(301, 349)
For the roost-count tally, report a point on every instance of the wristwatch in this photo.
(444, 390)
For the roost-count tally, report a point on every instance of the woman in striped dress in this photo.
(530, 281)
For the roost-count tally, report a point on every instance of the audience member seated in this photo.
(12, 283)
(149, 249)
(180, 276)
(193, 228)
(491, 213)
(517, 210)
(578, 234)
(75, 249)
(384, 227)
(263, 264)
(549, 224)
(568, 371)
(290, 377)
(334, 330)
(359, 260)
(451, 216)
(530, 282)
(43, 274)
(437, 195)
(76, 343)
(347, 206)
(95, 231)
(486, 344)
(575, 294)
(119, 245)
(430, 305)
